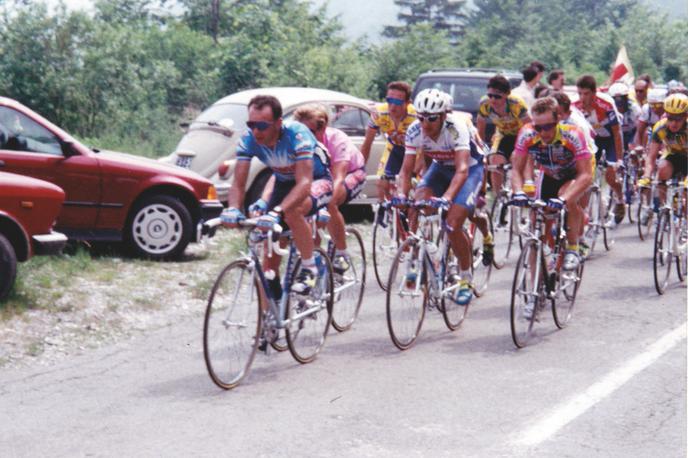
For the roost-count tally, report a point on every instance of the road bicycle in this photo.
(244, 313)
(539, 278)
(389, 231)
(671, 236)
(600, 218)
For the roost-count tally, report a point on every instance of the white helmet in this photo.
(618, 89)
(449, 102)
(656, 95)
(430, 101)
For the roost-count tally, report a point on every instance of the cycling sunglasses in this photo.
(430, 118)
(544, 127)
(676, 118)
(657, 106)
(260, 125)
(394, 101)
(494, 96)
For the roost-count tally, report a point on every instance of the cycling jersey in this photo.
(648, 115)
(454, 136)
(674, 142)
(602, 115)
(630, 118)
(556, 159)
(342, 149)
(516, 113)
(296, 143)
(393, 155)
(577, 119)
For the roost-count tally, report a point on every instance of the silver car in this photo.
(209, 146)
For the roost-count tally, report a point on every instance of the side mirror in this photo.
(184, 125)
(67, 149)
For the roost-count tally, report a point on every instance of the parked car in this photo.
(155, 209)
(209, 146)
(28, 208)
(466, 86)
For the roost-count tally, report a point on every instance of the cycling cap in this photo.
(676, 104)
(656, 95)
(430, 101)
(618, 89)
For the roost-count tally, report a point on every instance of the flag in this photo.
(622, 69)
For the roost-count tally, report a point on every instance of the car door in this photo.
(29, 148)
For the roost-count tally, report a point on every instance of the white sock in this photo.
(339, 252)
(309, 264)
(466, 275)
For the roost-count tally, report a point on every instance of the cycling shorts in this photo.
(679, 164)
(321, 193)
(438, 177)
(606, 145)
(353, 183)
(391, 161)
(548, 187)
(504, 145)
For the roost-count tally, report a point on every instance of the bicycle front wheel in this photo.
(607, 217)
(310, 314)
(454, 314)
(592, 229)
(645, 212)
(406, 295)
(385, 245)
(526, 293)
(662, 255)
(481, 272)
(562, 306)
(232, 325)
(682, 246)
(349, 285)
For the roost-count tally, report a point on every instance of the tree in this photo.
(442, 15)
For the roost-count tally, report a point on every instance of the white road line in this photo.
(571, 409)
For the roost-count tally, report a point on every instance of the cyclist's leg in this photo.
(351, 187)
(665, 170)
(501, 147)
(433, 183)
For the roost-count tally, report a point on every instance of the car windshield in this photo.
(466, 91)
(238, 113)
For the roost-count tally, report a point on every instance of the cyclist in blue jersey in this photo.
(303, 183)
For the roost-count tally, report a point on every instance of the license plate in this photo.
(184, 161)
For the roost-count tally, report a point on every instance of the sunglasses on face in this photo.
(394, 101)
(544, 127)
(430, 118)
(678, 118)
(657, 106)
(494, 96)
(260, 125)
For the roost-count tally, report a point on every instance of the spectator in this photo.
(556, 79)
(526, 90)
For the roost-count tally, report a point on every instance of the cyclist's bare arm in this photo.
(641, 133)
(461, 159)
(405, 173)
(367, 143)
(267, 190)
(582, 182)
(238, 189)
(302, 190)
(618, 142)
(518, 163)
(481, 124)
(651, 158)
(339, 170)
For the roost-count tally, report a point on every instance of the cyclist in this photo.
(561, 151)
(603, 117)
(454, 176)
(508, 112)
(671, 135)
(650, 114)
(348, 174)
(302, 180)
(628, 109)
(392, 118)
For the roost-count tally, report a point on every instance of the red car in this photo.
(28, 208)
(156, 209)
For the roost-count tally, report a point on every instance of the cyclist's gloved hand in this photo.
(644, 182)
(440, 202)
(268, 221)
(231, 217)
(399, 200)
(258, 207)
(556, 203)
(519, 199)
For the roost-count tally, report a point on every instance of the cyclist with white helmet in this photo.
(454, 176)
(650, 114)
(628, 109)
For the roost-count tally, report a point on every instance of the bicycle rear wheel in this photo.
(385, 245)
(350, 284)
(526, 288)
(481, 272)
(662, 258)
(310, 314)
(232, 325)
(645, 206)
(501, 225)
(592, 229)
(406, 295)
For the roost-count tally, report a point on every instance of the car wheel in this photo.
(8, 267)
(160, 227)
(256, 189)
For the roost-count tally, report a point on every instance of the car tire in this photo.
(256, 189)
(8, 267)
(160, 227)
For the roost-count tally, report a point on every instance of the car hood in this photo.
(152, 165)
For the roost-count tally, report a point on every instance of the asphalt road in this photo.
(612, 384)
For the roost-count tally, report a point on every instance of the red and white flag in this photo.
(622, 69)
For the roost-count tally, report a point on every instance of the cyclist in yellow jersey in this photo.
(392, 118)
(508, 112)
(671, 135)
